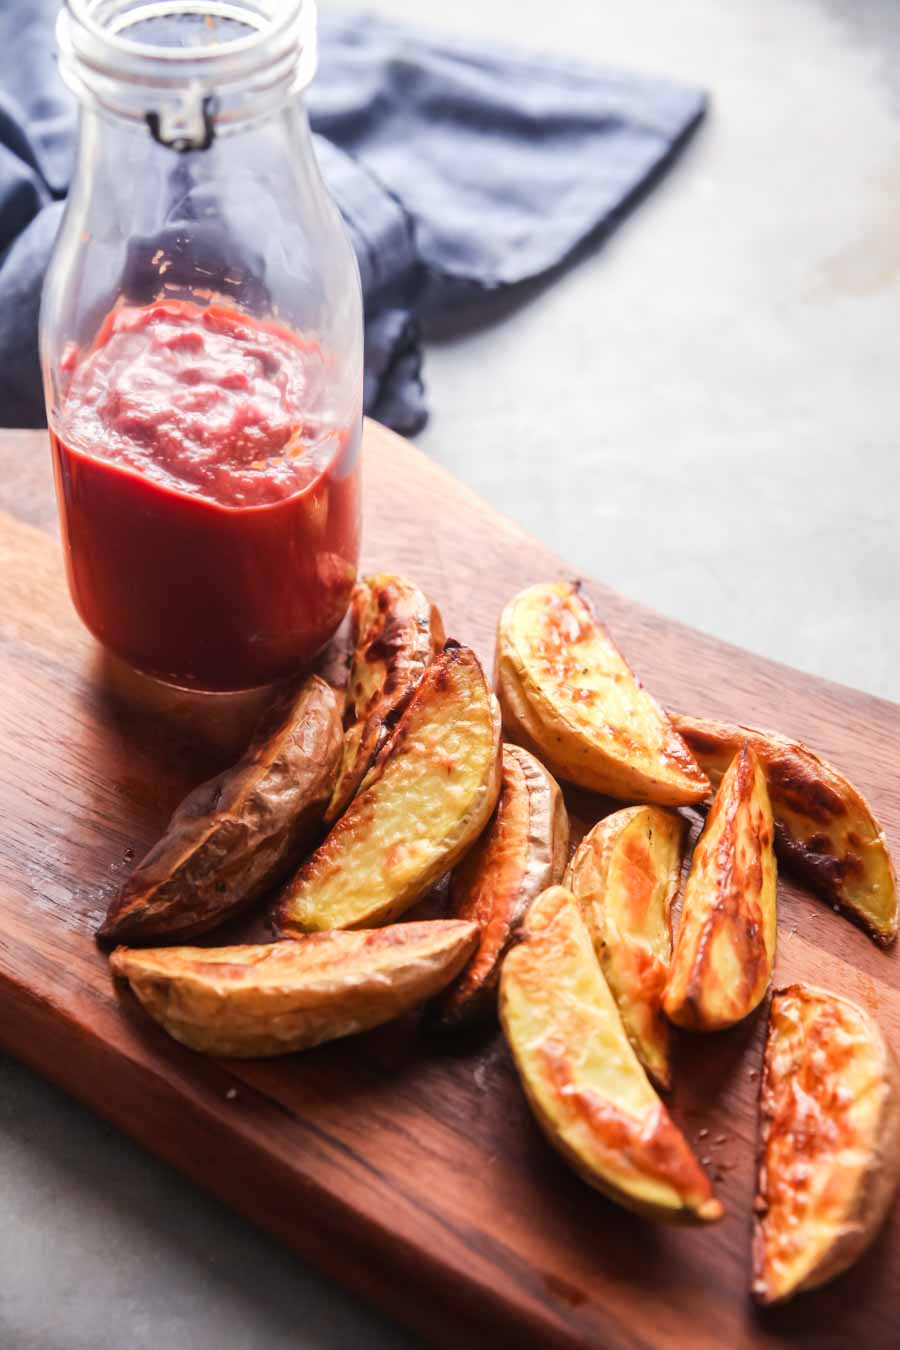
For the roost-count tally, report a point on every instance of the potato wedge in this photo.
(829, 1141)
(725, 949)
(263, 1000)
(432, 791)
(824, 827)
(582, 1078)
(398, 632)
(568, 695)
(625, 876)
(239, 834)
(523, 851)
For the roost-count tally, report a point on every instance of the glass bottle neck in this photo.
(188, 69)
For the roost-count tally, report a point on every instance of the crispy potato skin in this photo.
(582, 1078)
(522, 852)
(824, 827)
(237, 835)
(258, 1001)
(569, 696)
(725, 950)
(829, 1141)
(625, 876)
(397, 633)
(431, 792)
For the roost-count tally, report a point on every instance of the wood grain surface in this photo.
(407, 1167)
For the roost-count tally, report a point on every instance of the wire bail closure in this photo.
(190, 125)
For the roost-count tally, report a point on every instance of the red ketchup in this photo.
(210, 513)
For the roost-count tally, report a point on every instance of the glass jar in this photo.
(201, 345)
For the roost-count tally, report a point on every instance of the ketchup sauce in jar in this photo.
(201, 336)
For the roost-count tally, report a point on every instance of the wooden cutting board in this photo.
(412, 1172)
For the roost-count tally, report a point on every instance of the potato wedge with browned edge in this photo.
(263, 1000)
(725, 949)
(432, 790)
(239, 834)
(397, 633)
(581, 1076)
(824, 827)
(568, 695)
(625, 876)
(829, 1141)
(523, 851)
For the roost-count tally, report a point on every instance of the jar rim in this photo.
(247, 73)
(266, 27)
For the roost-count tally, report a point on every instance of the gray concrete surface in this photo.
(704, 413)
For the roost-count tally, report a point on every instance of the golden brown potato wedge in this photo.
(625, 876)
(523, 851)
(432, 790)
(824, 827)
(582, 1078)
(568, 694)
(239, 834)
(398, 632)
(263, 1000)
(829, 1141)
(725, 950)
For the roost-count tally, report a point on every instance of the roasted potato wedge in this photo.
(581, 1075)
(432, 790)
(725, 950)
(824, 827)
(398, 632)
(625, 876)
(239, 834)
(263, 1000)
(568, 694)
(829, 1141)
(523, 851)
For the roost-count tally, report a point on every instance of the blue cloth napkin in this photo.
(460, 167)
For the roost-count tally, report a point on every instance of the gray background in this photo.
(703, 413)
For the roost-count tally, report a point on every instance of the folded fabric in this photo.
(459, 167)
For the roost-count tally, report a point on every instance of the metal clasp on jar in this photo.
(188, 124)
